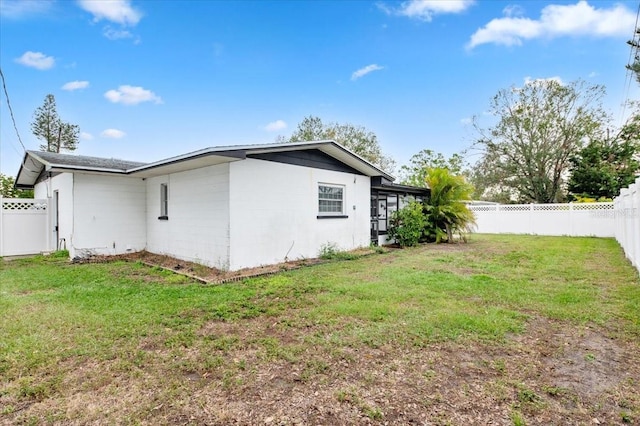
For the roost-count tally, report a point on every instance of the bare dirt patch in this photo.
(213, 275)
(201, 272)
(287, 368)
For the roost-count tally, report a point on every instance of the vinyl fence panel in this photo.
(589, 219)
(24, 226)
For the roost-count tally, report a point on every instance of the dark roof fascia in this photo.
(396, 187)
(353, 154)
(303, 145)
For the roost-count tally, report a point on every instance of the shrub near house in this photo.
(441, 216)
(408, 224)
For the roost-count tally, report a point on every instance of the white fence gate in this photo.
(24, 226)
(627, 207)
(576, 220)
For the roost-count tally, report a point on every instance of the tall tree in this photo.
(51, 130)
(355, 138)
(604, 166)
(540, 126)
(419, 164)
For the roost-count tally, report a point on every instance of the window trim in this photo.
(332, 215)
(164, 201)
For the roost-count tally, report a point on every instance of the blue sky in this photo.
(146, 80)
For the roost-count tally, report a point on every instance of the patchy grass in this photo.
(523, 329)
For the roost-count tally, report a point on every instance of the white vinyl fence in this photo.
(620, 219)
(627, 207)
(582, 219)
(24, 226)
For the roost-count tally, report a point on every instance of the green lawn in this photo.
(125, 343)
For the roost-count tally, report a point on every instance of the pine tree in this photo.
(49, 128)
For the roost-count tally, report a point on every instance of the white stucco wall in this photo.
(63, 183)
(197, 228)
(274, 209)
(109, 215)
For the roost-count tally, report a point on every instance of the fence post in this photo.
(531, 227)
(49, 226)
(635, 217)
(1, 227)
(571, 226)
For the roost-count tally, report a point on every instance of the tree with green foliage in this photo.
(540, 127)
(55, 134)
(8, 190)
(415, 173)
(445, 209)
(355, 138)
(406, 226)
(604, 166)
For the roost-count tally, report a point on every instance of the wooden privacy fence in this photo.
(627, 222)
(24, 226)
(584, 219)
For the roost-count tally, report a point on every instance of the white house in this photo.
(225, 207)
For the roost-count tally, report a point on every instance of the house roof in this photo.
(36, 162)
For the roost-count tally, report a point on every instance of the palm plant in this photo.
(445, 210)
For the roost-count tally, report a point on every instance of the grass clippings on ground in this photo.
(506, 330)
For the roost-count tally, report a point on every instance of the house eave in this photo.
(194, 160)
(226, 154)
(30, 170)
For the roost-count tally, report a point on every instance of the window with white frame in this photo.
(164, 201)
(330, 200)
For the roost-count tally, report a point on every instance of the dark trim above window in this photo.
(344, 216)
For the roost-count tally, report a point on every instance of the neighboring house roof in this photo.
(37, 162)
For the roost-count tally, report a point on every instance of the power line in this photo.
(635, 47)
(4, 86)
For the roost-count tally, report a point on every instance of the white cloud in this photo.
(364, 71)
(274, 126)
(36, 60)
(425, 9)
(580, 19)
(466, 121)
(113, 134)
(132, 95)
(75, 85)
(16, 9)
(513, 10)
(115, 34)
(529, 80)
(592, 74)
(86, 136)
(117, 11)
